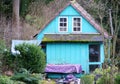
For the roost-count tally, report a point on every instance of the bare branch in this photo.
(111, 24)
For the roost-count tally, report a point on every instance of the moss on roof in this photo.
(72, 38)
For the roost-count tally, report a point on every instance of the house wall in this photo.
(71, 53)
(69, 12)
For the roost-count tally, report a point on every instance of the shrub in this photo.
(2, 49)
(87, 79)
(18, 82)
(26, 77)
(5, 80)
(107, 75)
(117, 79)
(103, 80)
(31, 57)
(8, 61)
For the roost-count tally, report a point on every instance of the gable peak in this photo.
(83, 13)
(73, 1)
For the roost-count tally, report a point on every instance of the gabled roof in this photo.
(73, 38)
(84, 13)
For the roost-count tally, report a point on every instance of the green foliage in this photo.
(5, 80)
(48, 1)
(24, 4)
(8, 60)
(118, 62)
(117, 79)
(18, 82)
(31, 57)
(103, 80)
(6, 6)
(2, 47)
(87, 79)
(107, 75)
(2, 51)
(26, 77)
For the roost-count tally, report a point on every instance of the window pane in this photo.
(94, 53)
(65, 19)
(75, 24)
(61, 29)
(61, 19)
(78, 24)
(65, 24)
(61, 24)
(78, 19)
(74, 19)
(74, 29)
(64, 29)
(78, 29)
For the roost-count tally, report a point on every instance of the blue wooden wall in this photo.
(71, 53)
(70, 12)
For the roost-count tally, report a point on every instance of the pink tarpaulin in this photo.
(63, 68)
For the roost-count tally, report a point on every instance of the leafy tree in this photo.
(48, 1)
(115, 11)
(24, 4)
(6, 7)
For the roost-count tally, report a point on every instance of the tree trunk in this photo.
(16, 20)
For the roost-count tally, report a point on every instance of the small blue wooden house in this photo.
(73, 37)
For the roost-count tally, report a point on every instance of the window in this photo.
(63, 24)
(76, 24)
(94, 57)
(94, 53)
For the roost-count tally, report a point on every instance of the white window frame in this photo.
(59, 24)
(80, 24)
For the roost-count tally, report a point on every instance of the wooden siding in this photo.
(70, 53)
(70, 12)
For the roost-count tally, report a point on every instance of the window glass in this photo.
(94, 53)
(63, 24)
(77, 24)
